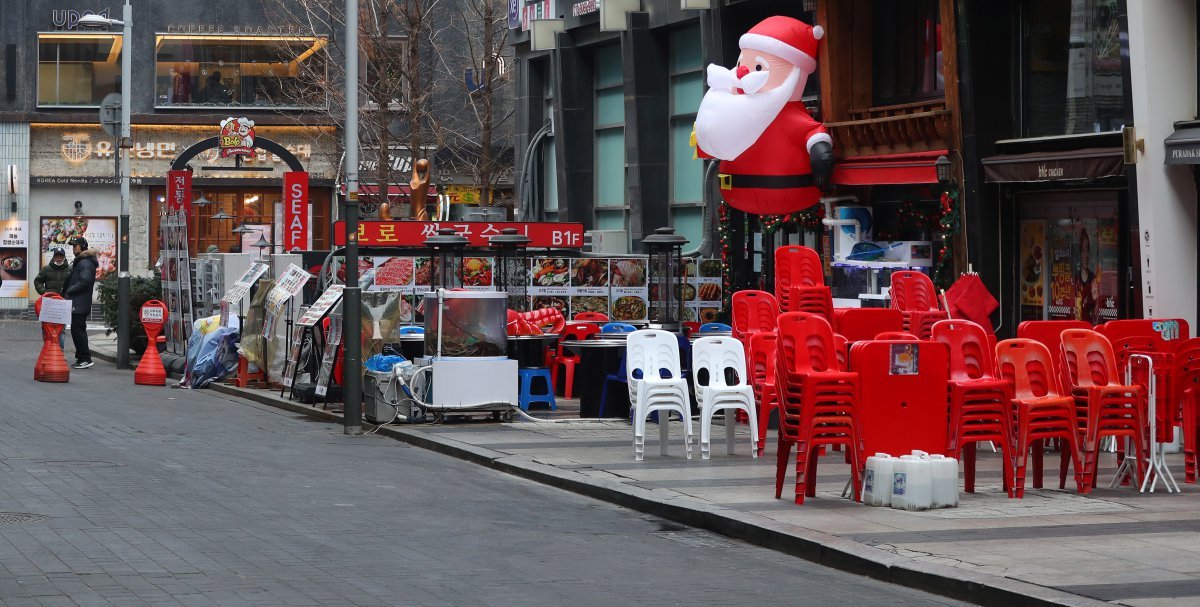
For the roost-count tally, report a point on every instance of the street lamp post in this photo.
(351, 295)
(123, 146)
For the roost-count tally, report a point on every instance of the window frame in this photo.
(673, 75)
(159, 36)
(81, 34)
(877, 66)
(607, 127)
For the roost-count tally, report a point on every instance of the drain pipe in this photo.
(710, 209)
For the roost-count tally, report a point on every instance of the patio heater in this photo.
(666, 278)
(512, 267)
(445, 259)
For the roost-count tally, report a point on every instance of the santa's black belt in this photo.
(767, 182)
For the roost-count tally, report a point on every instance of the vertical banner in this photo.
(179, 191)
(295, 210)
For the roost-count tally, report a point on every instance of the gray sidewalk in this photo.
(1050, 548)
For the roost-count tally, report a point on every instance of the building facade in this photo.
(193, 66)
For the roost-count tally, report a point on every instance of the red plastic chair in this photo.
(814, 300)
(763, 348)
(1167, 410)
(1049, 334)
(1186, 393)
(1104, 406)
(843, 351)
(915, 296)
(1040, 412)
(567, 361)
(863, 324)
(591, 317)
(796, 266)
(816, 402)
(896, 336)
(980, 409)
(753, 312)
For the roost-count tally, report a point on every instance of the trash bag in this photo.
(212, 352)
(383, 363)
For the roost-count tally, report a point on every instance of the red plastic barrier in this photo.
(51, 364)
(150, 371)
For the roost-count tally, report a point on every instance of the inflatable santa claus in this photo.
(774, 156)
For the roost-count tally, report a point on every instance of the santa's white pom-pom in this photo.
(818, 32)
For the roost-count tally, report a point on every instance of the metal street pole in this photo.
(352, 296)
(126, 142)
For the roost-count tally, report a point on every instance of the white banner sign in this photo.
(57, 311)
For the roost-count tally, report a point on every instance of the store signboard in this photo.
(179, 191)
(414, 233)
(295, 211)
(14, 258)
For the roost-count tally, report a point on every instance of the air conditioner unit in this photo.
(612, 242)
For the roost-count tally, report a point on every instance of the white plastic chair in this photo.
(648, 353)
(714, 361)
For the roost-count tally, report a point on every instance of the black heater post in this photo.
(665, 249)
(445, 259)
(512, 267)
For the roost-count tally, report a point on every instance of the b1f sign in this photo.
(295, 211)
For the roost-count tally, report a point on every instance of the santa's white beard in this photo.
(727, 124)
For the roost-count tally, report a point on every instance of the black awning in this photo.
(1183, 146)
(1074, 165)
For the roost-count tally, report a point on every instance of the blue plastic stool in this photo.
(617, 327)
(412, 330)
(711, 327)
(527, 396)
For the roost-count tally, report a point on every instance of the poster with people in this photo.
(1032, 269)
(100, 232)
(1060, 239)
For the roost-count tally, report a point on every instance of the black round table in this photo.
(530, 350)
(599, 358)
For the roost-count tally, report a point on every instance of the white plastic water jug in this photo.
(945, 481)
(877, 480)
(912, 483)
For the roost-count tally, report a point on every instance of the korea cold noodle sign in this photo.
(295, 210)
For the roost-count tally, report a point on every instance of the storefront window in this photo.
(610, 140)
(907, 55)
(268, 71)
(1072, 68)
(687, 88)
(78, 70)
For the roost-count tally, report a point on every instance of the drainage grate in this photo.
(76, 463)
(16, 518)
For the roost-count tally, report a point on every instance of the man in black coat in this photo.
(78, 289)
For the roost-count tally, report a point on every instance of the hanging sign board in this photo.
(179, 191)
(243, 283)
(288, 285)
(295, 211)
(543, 235)
(324, 303)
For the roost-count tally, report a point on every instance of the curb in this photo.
(824, 549)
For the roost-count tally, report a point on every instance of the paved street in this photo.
(124, 495)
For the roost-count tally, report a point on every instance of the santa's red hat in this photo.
(791, 39)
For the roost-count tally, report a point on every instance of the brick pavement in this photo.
(148, 496)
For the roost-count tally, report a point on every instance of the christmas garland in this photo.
(949, 226)
(808, 219)
(723, 237)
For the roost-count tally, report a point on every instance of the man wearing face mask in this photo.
(774, 156)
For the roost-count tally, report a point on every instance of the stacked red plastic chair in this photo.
(816, 402)
(51, 365)
(753, 312)
(915, 296)
(1186, 373)
(1041, 411)
(1049, 333)
(1156, 338)
(800, 282)
(591, 317)
(763, 348)
(566, 361)
(1104, 406)
(863, 324)
(896, 336)
(980, 401)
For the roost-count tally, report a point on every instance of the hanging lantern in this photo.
(512, 267)
(666, 275)
(445, 259)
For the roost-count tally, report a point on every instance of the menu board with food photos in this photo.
(175, 270)
(14, 263)
(616, 287)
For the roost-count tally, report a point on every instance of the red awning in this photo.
(893, 169)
